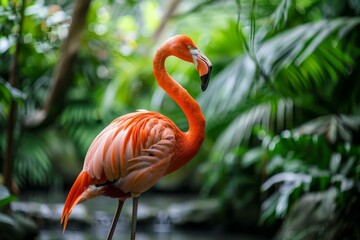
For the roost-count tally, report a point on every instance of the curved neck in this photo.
(195, 135)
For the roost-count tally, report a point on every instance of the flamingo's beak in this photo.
(203, 65)
(205, 79)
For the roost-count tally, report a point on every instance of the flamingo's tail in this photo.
(75, 196)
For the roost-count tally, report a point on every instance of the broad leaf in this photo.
(5, 196)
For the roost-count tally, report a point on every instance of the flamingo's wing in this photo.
(134, 150)
(144, 170)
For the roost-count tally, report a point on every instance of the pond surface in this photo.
(100, 211)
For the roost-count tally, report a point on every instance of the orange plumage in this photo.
(135, 150)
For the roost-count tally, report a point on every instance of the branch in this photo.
(165, 18)
(170, 13)
(62, 77)
(14, 82)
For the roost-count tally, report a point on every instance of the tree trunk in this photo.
(14, 82)
(169, 12)
(62, 78)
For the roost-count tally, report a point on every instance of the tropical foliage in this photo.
(285, 116)
(282, 107)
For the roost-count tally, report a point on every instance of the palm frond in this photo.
(294, 46)
(33, 164)
(287, 9)
(240, 129)
(228, 89)
(79, 112)
(297, 61)
(82, 122)
(332, 127)
(292, 58)
(280, 15)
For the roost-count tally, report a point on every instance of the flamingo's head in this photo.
(184, 48)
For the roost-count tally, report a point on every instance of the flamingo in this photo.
(135, 150)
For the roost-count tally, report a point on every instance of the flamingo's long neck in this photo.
(193, 138)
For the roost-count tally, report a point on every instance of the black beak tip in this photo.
(205, 80)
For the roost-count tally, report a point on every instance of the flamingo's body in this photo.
(135, 150)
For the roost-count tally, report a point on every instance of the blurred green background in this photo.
(282, 148)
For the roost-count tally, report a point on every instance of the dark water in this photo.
(173, 235)
(99, 212)
(145, 236)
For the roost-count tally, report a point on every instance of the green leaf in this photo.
(280, 15)
(348, 166)
(268, 208)
(15, 94)
(285, 56)
(252, 157)
(335, 162)
(4, 3)
(230, 87)
(5, 196)
(332, 127)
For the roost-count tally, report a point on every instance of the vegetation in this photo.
(282, 107)
(286, 120)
